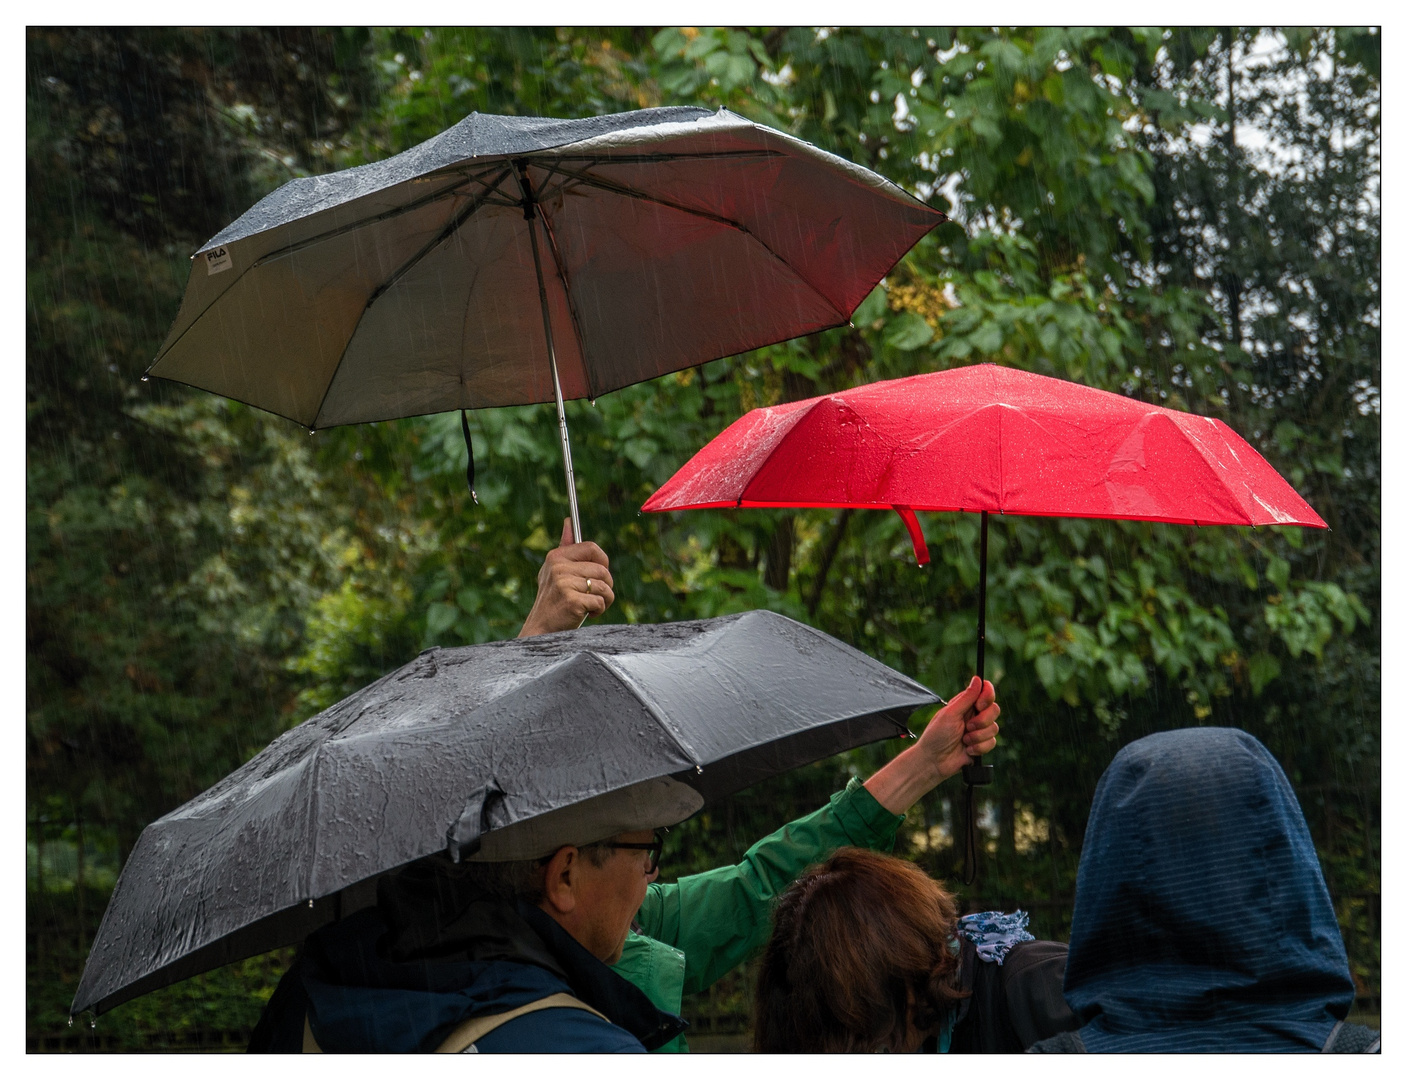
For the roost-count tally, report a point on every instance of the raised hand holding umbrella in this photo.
(987, 439)
(575, 582)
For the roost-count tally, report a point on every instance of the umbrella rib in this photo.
(1196, 445)
(312, 848)
(631, 193)
(571, 303)
(342, 230)
(649, 159)
(478, 177)
(639, 695)
(445, 234)
(801, 419)
(444, 193)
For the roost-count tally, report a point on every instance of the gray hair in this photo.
(521, 879)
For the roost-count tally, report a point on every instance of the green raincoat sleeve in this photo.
(717, 919)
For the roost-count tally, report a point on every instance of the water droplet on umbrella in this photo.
(146, 378)
(310, 903)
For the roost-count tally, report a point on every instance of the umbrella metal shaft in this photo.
(530, 213)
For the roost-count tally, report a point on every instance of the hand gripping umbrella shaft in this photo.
(530, 213)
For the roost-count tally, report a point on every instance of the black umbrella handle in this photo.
(976, 774)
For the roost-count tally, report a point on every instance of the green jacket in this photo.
(701, 927)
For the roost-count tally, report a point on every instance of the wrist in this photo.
(905, 780)
(922, 770)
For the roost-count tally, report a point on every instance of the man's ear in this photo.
(559, 885)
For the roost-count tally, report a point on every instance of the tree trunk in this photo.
(777, 572)
(828, 557)
(1230, 282)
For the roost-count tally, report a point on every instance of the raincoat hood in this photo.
(1202, 922)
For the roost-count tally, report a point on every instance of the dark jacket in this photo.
(1202, 923)
(433, 953)
(1012, 1004)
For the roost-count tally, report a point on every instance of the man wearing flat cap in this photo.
(554, 936)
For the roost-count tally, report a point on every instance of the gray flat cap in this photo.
(652, 804)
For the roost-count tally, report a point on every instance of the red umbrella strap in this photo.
(906, 515)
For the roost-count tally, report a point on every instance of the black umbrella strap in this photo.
(969, 856)
(469, 446)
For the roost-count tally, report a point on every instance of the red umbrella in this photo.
(986, 439)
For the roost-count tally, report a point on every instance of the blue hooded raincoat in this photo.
(1202, 922)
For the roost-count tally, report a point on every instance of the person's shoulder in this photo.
(559, 1031)
(1032, 979)
(1032, 963)
(1024, 953)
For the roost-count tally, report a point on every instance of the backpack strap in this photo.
(1349, 1038)
(463, 1038)
(1067, 1042)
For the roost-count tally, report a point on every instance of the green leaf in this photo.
(1045, 671)
(872, 308)
(908, 331)
(440, 617)
(1262, 668)
(1279, 573)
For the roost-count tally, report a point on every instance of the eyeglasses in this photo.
(655, 847)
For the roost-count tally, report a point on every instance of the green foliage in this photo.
(202, 576)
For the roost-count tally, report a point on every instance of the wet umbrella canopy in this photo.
(515, 260)
(990, 439)
(460, 743)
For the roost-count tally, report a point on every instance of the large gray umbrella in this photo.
(461, 743)
(415, 285)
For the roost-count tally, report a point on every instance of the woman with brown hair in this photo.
(868, 954)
